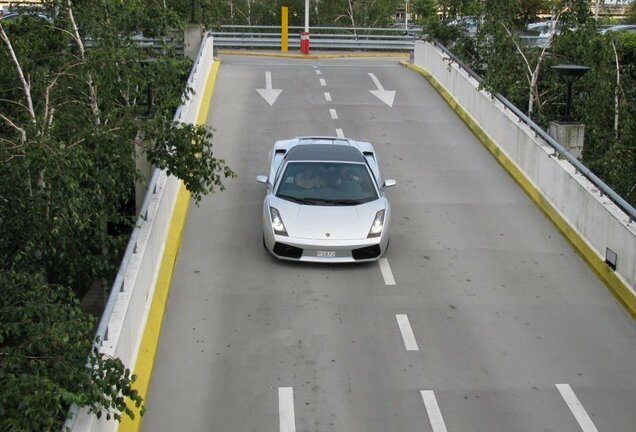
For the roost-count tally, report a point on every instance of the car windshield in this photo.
(326, 183)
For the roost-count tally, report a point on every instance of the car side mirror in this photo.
(388, 183)
(265, 180)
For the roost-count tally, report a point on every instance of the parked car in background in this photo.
(15, 16)
(470, 24)
(621, 28)
(537, 34)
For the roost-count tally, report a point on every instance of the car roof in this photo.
(325, 152)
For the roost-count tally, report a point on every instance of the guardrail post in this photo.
(284, 28)
(304, 43)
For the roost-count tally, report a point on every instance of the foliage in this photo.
(44, 341)
(79, 98)
(521, 72)
(631, 12)
(68, 166)
(358, 13)
(606, 107)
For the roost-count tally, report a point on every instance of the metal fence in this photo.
(322, 38)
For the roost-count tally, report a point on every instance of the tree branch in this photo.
(80, 45)
(616, 90)
(22, 132)
(25, 84)
(519, 50)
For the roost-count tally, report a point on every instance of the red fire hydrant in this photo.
(304, 43)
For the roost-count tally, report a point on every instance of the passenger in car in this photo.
(309, 179)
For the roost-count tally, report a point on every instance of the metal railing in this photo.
(322, 38)
(559, 150)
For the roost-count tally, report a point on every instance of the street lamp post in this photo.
(406, 14)
(567, 131)
(570, 74)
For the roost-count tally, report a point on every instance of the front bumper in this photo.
(326, 251)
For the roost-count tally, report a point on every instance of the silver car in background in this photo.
(325, 201)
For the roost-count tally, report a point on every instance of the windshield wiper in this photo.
(304, 200)
(292, 198)
(345, 202)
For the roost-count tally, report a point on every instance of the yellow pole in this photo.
(284, 20)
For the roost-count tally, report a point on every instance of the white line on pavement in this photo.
(387, 274)
(577, 409)
(318, 72)
(434, 414)
(339, 133)
(323, 82)
(407, 333)
(286, 416)
(328, 96)
(334, 114)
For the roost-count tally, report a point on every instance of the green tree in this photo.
(521, 72)
(605, 104)
(631, 12)
(73, 109)
(72, 117)
(44, 342)
(509, 58)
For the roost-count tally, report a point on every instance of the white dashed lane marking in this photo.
(318, 72)
(407, 333)
(432, 409)
(340, 133)
(286, 416)
(577, 409)
(328, 96)
(323, 82)
(387, 274)
(334, 114)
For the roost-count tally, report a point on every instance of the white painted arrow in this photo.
(268, 93)
(385, 96)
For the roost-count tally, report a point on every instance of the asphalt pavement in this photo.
(481, 318)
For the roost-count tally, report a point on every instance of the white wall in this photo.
(599, 222)
(127, 322)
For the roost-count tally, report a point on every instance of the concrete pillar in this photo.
(569, 135)
(192, 36)
(145, 169)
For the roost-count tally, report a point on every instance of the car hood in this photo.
(328, 222)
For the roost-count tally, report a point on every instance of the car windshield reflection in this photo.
(326, 184)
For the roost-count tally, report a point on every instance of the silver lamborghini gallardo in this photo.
(325, 201)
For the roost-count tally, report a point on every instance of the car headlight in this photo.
(378, 225)
(277, 222)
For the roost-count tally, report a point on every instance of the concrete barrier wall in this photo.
(598, 222)
(127, 321)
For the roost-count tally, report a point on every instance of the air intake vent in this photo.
(287, 251)
(369, 252)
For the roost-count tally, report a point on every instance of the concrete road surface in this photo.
(494, 323)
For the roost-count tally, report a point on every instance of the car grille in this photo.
(368, 252)
(287, 251)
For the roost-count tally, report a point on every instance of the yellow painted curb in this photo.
(616, 286)
(311, 56)
(152, 331)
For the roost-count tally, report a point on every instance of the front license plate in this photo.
(326, 254)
